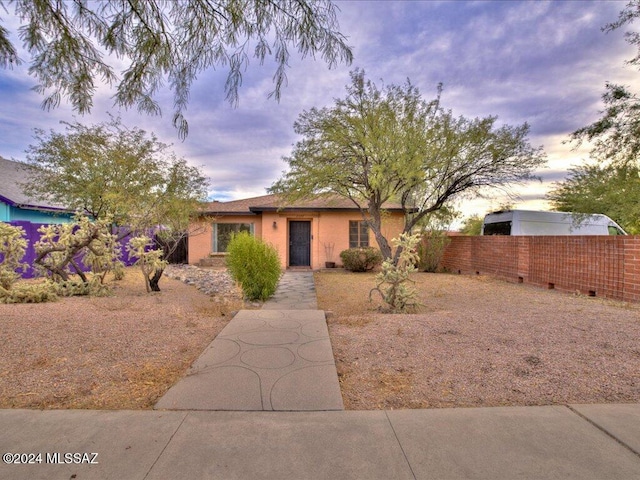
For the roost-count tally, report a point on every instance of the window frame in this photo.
(214, 233)
(362, 233)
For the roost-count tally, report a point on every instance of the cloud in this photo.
(544, 63)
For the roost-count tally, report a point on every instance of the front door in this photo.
(299, 244)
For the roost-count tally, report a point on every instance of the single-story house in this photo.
(16, 206)
(18, 209)
(307, 233)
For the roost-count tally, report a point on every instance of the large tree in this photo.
(163, 42)
(601, 188)
(389, 144)
(615, 137)
(610, 183)
(109, 170)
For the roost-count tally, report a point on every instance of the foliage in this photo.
(61, 251)
(149, 260)
(63, 248)
(397, 294)
(12, 249)
(109, 170)
(627, 16)
(434, 228)
(254, 264)
(472, 225)
(615, 136)
(611, 185)
(613, 190)
(431, 249)
(380, 145)
(30, 293)
(361, 259)
(164, 42)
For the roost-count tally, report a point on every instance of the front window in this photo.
(222, 233)
(358, 234)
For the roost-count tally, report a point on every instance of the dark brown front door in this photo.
(300, 244)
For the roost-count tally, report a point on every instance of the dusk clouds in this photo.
(544, 63)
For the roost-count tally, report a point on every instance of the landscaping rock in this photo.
(213, 282)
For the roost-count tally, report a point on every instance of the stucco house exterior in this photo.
(306, 234)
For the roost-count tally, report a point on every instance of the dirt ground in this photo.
(475, 342)
(117, 352)
(479, 341)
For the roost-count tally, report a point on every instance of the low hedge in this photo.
(361, 259)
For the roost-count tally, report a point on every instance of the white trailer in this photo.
(529, 222)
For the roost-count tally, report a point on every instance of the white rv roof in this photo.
(547, 215)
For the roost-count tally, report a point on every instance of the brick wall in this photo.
(592, 265)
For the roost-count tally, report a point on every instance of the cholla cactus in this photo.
(12, 248)
(397, 294)
(61, 246)
(150, 261)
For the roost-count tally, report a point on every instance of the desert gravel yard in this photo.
(479, 341)
(476, 342)
(118, 352)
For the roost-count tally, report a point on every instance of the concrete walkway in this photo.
(277, 358)
(296, 291)
(581, 442)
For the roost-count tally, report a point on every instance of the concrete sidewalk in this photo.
(263, 360)
(582, 442)
(277, 358)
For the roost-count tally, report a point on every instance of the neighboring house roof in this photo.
(12, 174)
(270, 203)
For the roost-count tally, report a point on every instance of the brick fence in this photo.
(591, 265)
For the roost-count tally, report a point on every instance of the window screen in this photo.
(222, 233)
(358, 234)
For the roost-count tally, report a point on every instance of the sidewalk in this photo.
(263, 360)
(581, 442)
(277, 358)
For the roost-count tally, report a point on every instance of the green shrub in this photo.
(254, 264)
(361, 259)
(431, 250)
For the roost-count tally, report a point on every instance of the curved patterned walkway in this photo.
(277, 358)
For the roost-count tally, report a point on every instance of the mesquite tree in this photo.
(73, 44)
(389, 144)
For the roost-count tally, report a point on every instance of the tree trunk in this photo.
(375, 223)
(153, 281)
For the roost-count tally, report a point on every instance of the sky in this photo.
(544, 63)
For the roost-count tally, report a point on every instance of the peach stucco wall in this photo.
(327, 228)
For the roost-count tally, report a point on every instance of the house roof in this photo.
(270, 203)
(12, 174)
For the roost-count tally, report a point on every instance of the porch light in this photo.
(275, 225)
